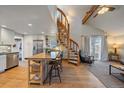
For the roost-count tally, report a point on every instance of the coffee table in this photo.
(118, 66)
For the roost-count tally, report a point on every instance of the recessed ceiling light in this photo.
(42, 32)
(52, 32)
(29, 24)
(25, 33)
(3, 26)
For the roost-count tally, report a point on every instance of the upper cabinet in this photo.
(7, 37)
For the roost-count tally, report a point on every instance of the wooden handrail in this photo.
(62, 14)
(74, 42)
(66, 20)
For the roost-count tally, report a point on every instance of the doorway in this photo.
(19, 47)
(95, 47)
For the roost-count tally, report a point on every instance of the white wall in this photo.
(28, 43)
(86, 30)
(52, 10)
(53, 13)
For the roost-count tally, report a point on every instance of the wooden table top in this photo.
(39, 56)
(117, 65)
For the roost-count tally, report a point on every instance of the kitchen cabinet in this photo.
(6, 36)
(8, 60)
(2, 63)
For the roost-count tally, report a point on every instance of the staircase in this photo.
(64, 38)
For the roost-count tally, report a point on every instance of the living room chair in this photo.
(86, 59)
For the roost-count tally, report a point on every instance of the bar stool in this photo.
(54, 66)
(60, 61)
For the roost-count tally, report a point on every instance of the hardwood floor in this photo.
(72, 77)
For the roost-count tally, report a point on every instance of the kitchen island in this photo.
(8, 60)
(38, 68)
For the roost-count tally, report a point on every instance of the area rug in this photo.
(101, 71)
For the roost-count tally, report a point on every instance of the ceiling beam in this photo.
(89, 13)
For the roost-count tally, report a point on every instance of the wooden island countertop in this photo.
(39, 56)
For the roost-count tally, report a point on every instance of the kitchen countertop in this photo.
(6, 53)
(39, 56)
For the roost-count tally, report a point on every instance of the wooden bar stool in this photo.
(54, 66)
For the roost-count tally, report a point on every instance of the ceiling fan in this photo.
(103, 9)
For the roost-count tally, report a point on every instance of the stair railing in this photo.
(64, 33)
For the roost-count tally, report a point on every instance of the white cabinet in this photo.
(7, 37)
(2, 63)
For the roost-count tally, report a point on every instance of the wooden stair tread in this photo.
(72, 50)
(73, 61)
(73, 55)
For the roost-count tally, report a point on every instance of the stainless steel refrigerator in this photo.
(37, 46)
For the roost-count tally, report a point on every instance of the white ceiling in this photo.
(18, 17)
(75, 12)
(110, 22)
